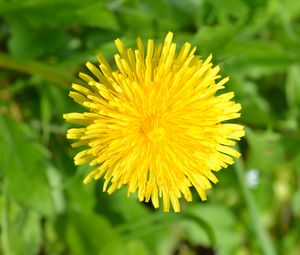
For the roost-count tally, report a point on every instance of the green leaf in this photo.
(131, 247)
(255, 108)
(40, 13)
(296, 203)
(213, 39)
(128, 207)
(266, 151)
(293, 87)
(230, 9)
(21, 229)
(259, 57)
(28, 42)
(222, 222)
(46, 114)
(34, 31)
(96, 15)
(23, 161)
(88, 232)
(56, 189)
(136, 247)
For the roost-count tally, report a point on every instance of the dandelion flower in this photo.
(155, 124)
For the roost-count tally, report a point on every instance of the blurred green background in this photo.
(45, 208)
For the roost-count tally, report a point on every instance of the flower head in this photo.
(155, 123)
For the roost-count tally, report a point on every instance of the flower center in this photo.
(156, 135)
(151, 128)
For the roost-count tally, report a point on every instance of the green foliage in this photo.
(45, 208)
(23, 162)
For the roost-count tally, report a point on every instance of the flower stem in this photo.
(34, 67)
(262, 235)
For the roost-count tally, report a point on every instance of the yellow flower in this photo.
(155, 124)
